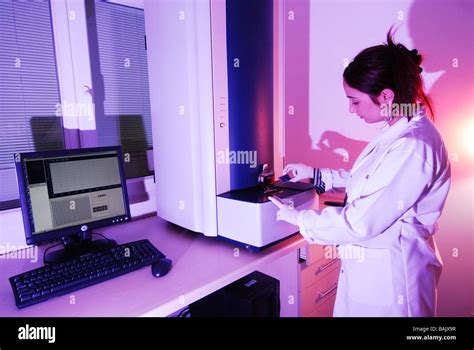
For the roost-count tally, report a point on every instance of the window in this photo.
(29, 91)
(117, 45)
(30, 101)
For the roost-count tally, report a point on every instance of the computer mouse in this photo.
(161, 267)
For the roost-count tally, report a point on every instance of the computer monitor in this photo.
(66, 194)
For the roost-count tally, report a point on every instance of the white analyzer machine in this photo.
(211, 92)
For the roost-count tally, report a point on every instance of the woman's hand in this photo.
(300, 171)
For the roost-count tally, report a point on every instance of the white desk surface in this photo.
(201, 265)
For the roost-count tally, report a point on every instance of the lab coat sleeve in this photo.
(329, 179)
(391, 190)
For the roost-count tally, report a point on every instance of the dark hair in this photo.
(390, 66)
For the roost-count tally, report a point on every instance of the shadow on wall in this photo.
(333, 150)
(443, 32)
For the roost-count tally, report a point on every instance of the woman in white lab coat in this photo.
(395, 193)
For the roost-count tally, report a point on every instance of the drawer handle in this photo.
(324, 267)
(322, 295)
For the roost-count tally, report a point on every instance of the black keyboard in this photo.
(57, 279)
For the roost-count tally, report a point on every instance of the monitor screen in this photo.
(66, 192)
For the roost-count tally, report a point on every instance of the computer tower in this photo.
(255, 295)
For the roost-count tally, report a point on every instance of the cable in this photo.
(46, 250)
(55, 245)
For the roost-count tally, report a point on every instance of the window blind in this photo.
(29, 91)
(125, 118)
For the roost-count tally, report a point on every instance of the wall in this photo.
(444, 31)
(329, 136)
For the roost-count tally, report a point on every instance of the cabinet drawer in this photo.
(312, 253)
(315, 252)
(326, 308)
(319, 293)
(310, 274)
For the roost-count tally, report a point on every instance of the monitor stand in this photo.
(77, 245)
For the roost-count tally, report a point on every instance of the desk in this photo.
(201, 265)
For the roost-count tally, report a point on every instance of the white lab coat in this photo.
(395, 193)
